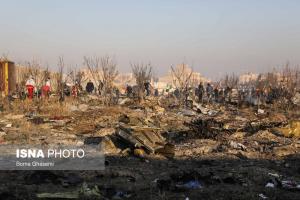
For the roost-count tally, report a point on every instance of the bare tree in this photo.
(93, 65)
(76, 75)
(103, 71)
(35, 70)
(297, 77)
(272, 79)
(109, 73)
(142, 74)
(46, 74)
(32, 69)
(290, 77)
(23, 74)
(80, 77)
(182, 75)
(231, 81)
(59, 77)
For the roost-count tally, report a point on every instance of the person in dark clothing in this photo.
(228, 94)
(177, 93)
(129, 91)
(209, 92)
(66, 89)
(100, 87)
(90, 87)
(216, 94)
(156, 93)
(116, 95)
(147, 88)
(222, 95)
(200, 92)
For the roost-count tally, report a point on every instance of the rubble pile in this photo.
(162, 148)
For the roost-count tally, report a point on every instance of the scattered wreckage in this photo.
(188, 150)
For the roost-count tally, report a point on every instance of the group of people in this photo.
(241, 94)
(146, 89)
(256, 95)
(33, 90)
(208, 93)
(213, 94)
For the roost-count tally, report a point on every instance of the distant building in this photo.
(168, 79)
(248, 77)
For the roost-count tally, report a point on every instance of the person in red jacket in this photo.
(30, 85)
(75, 89)
(46, 89)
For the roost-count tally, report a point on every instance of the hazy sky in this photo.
(215, 37)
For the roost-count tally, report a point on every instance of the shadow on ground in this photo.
(136, 178)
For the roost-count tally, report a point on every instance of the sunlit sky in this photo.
(214, 37)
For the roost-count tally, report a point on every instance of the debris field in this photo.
(159, 150)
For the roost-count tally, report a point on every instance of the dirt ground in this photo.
(218, 151)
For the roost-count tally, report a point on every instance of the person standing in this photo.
(30, 85)
(46, 88)
(147, 88)
(209, 92)
(129, 91)
(228, 92)
(200, 92)
(216, 94)
(100, 87)
(75, 89)
(90, 87)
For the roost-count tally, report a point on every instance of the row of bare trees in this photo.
(41, 73)
(287, 78)
(103, 71)
(32, 69)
